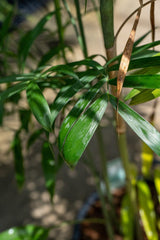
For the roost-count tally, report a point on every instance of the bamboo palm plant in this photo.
(85, 89)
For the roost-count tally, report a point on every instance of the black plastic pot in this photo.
(116, 176)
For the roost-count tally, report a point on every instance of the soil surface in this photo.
(95, 231)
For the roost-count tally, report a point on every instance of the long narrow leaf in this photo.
(126, 217)
(89, 62)
(17, 78)
(132, 93)
(81, 27)
(139, 125)
(34, 136)
(140, 63)
(63, 69)
(79, 107)
(151, 81)
(73, 22)
(4, 30)
(50, 54)
(157, 181)
(145, 95)
(69, 91)
(147, 160)
(83, 130)
(39, 105)
(68, 69)
(18, 160)
(48, 165)
(137, 51)
(147, 210)
(140, 49)
(1, 113)
(60, 29)
(140, 39)
(28, 39)
(9, 92)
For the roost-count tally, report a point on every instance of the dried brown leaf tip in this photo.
(125, 60)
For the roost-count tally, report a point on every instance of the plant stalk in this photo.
(106, 214)
(104, 161)
(107, 18)
(60, 27)
(81, 28)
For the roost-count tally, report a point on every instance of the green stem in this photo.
(81, 28)
(130, 188)
(103, 160)
(73, 22)
(107, 18)
(106, 213)
(60, 27)
(107, 21)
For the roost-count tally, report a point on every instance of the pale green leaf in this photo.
(126, 219)
(145, 96)
(157, 181)
(146, 210)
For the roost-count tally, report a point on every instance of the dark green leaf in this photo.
(34, 136)
(49, 168)
(68, 92)
(87, 62)
(17, 78)
(25, 116)
(142, 48)
(28, 39)
(139, 125)
(50, 54)
(9, 92)
(68, 69)
(81, 133)
(4, 30)
(140, 63)
(18, 159)
(28, 232)
(140, 81)
(139, 40)
(39, 106)
(63, 69)
(137, 51)
(79, 107)
(144, 54)
(1, 113)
